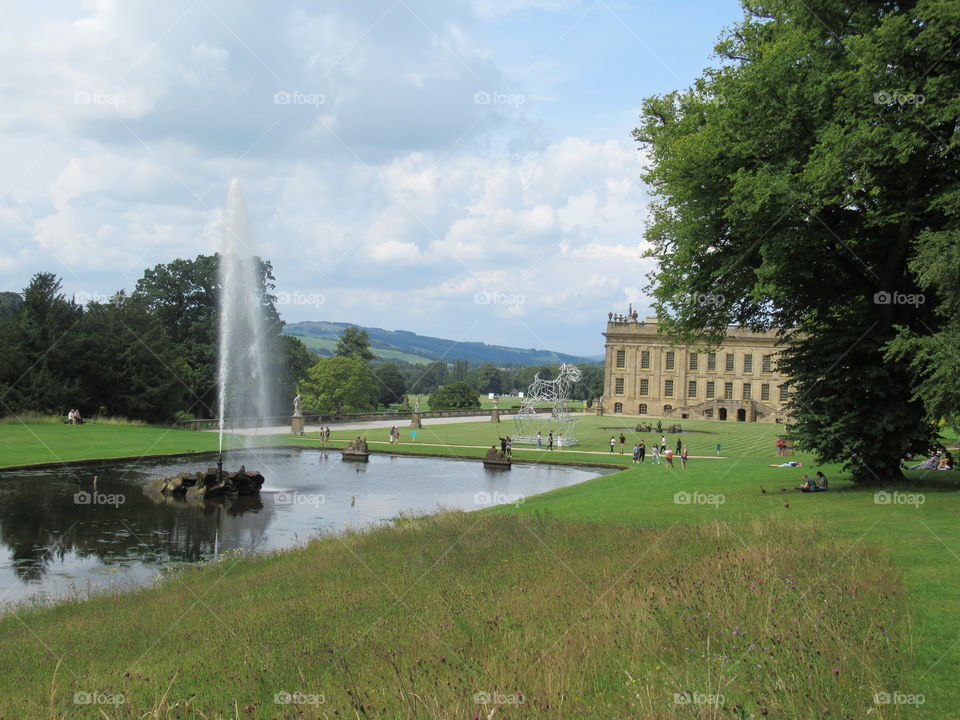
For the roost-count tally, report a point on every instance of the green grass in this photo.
(422, 619)
(22, 444)
(597, 600)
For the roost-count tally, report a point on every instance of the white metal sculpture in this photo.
(559, 421)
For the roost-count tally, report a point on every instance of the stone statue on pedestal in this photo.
(297, 406)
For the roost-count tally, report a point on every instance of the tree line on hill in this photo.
(149, 355)
(354, 380)
(152, 355)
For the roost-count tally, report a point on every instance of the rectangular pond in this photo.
(60, 534)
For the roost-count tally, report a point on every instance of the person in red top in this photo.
(780, 446)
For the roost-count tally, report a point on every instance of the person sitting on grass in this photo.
(807, 485)
(821, 482)
(946, 462)
(791, 463)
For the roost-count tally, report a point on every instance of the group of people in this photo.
(324, 434)
(809, 485)
(658, 452)
(73, 417)
(549, 440)
(936, 461)
(394, 435)
(506, 446)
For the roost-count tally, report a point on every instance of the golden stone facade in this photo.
(644, 374)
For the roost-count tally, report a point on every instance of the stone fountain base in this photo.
(208, 484)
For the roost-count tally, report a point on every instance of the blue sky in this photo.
(455, 168)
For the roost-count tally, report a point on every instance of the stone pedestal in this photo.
(416, 420)
(495, 415)
(296, 425)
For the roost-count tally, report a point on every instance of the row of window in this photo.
(670, 361)
(722, 414)
(711, 389)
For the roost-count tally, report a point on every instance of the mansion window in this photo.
(644, 387)
(642, 409)
(765, 391)
(618, 386)
(711, 362)
(618, 407)
(748, 363)
(621, 358)
(747, 391)
(694, 361)
(729, 362)
(728, 391)
(692, 388)
(767, 363)
(711, 389)
(783, 393)
(671, 359)
(645, 359)
(668, 388)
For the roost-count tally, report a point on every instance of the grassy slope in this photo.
(315, 343)
(922, 543)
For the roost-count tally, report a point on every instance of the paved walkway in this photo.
(625, 456)
(403, 423)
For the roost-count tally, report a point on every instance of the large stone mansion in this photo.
(645, 374)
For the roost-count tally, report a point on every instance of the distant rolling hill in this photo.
(422, 349)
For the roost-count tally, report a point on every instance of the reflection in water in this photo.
(60, 531)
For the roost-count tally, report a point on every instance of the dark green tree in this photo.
(340, 385)
(41, 346)
(354, 342)
(455, 396)
(126, 361)
(793, 183)
(291, 363)
(489, 379)
(184, 294)
(934, 357)
(390, 384)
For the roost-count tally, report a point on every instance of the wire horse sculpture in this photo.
(557, 392)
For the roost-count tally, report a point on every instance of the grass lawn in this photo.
(57, 442)
(604, 600)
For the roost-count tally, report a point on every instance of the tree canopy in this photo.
(455, 396)
(339, 385)
(794, 185)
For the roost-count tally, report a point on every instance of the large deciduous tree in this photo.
(794, 183)
(184, 294)
(340, 385)
(354, 342)
(455, 396)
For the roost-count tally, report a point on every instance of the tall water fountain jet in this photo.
(244, 388)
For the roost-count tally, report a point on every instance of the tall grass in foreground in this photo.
(479, 616)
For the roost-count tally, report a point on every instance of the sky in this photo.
(457, 168)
